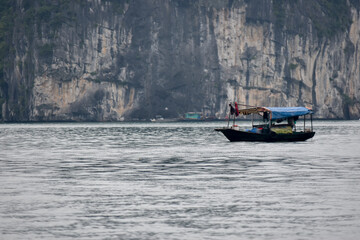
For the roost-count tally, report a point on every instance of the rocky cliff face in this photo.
(115, 60)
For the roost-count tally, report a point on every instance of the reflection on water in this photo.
(176, 181)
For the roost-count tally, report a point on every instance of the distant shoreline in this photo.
(162, 121)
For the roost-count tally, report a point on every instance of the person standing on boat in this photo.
(292, 122)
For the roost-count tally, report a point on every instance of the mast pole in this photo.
(229, 117)
(252, 120)
(234, 119)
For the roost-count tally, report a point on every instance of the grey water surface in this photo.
(176, 181)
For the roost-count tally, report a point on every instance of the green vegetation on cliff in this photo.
(27, 21)
(328, 17)
(6, 25)
(48, 14)
(331, 17)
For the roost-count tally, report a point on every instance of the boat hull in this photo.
(237, 135)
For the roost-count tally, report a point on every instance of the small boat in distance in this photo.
(278, 124)
(193, 116)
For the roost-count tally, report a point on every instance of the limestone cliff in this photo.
(108, 60)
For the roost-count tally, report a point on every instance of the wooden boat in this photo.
(272, 127)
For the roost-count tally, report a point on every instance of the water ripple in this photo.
(176, 181)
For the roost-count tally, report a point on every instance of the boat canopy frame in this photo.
(275, 113)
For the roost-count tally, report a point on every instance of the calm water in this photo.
(176, 181)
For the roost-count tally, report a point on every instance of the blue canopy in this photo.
(285, 112)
